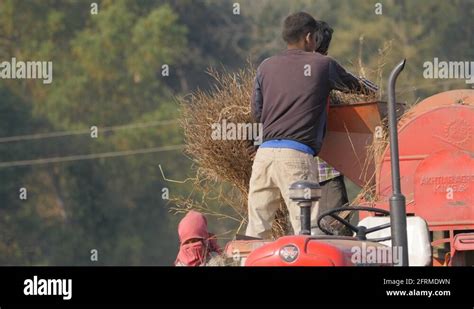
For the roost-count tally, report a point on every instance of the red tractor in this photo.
(430, 156)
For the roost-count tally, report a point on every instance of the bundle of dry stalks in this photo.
(223, 167)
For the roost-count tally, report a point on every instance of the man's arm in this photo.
(257, 98)
(344, 81)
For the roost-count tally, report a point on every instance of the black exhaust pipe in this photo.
(398, 216)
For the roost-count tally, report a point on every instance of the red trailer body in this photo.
(436, 140)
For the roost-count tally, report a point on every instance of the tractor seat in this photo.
(419, 245)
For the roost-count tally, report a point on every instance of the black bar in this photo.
(240, 285)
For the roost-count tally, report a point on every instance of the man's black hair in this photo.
(297, 25)
(323, 37)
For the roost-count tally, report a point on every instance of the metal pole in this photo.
(397, 200)
(305, 217)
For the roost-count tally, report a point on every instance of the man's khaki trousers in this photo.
(273, 172)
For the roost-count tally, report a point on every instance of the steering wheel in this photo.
(361, 231)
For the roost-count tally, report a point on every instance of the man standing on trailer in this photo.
(290, 100)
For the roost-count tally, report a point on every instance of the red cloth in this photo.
(194, 225)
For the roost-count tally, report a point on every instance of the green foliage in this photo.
(108, 72)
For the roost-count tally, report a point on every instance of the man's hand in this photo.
(368, 84)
